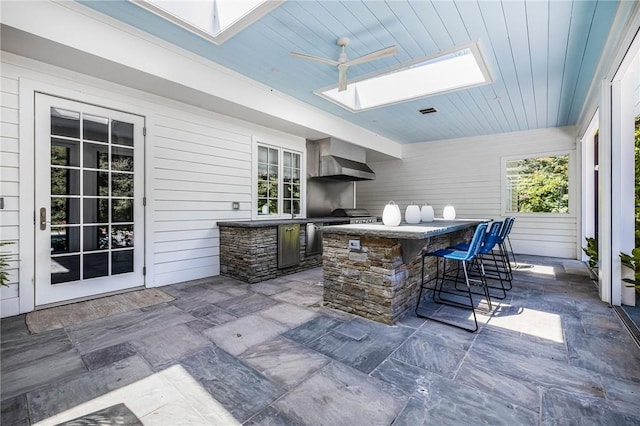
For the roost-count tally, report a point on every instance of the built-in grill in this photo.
(355, 215)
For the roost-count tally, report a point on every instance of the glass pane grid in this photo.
(95, 194)
(272, 175)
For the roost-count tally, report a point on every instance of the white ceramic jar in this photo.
(426, 213)
(449, 213)
(391, 214)
(412, 214)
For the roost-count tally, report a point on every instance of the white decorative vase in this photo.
(391, 214)
(449, 213)
(412, 214)
(426, 213)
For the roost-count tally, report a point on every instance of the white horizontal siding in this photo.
(466, 173)
(197, 164)
(9, 190)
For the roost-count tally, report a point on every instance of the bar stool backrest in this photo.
(476, 242)
(511, 221)
(506, 228)
(491, 238)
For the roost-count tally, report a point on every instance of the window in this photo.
(538, 185)
(291, 182)
(279, 181)
(453, 70)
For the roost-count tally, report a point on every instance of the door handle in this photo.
(43, 219)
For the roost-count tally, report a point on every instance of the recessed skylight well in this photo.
(213, 20)
(458, 69)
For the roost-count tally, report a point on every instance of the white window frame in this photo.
(281, 148)
(572, 184)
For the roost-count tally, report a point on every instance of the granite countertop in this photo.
(404, 231)
(275, 222)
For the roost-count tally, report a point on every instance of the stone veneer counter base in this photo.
(381, 279)
(249, 248)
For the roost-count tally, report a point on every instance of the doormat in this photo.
(76, 313)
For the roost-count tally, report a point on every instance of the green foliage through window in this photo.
(538, 185)
(272, 174)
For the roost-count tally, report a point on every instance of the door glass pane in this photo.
(121, 262)
(65, 123)
(122, 159)
(95, 238)
(121, 236)
(95, 128)
(121, 185)
(96, 156)
(65, 239)
(96, 210)
(65, 181)
(65, 153)
(65, 269)
(121, 133)
(92, 186)
(95, 265)
(65, 211)
(96, 183)
(122, 210)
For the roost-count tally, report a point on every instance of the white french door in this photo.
(89, 219)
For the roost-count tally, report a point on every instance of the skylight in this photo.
(454, 70)
(214, 20)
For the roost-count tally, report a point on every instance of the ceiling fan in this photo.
(343, 63)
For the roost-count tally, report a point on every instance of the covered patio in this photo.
(226, 352)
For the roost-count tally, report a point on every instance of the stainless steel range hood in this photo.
(333, 159)
(337, 168)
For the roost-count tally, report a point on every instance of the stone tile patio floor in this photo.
(226, 352)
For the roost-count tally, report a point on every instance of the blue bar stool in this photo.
(487, 262)
(508, 242)
(464, 259)
(505, 251)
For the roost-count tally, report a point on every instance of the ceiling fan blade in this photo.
(342, 77)
(314, 58)
(387, 51)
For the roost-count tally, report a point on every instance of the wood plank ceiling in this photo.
(542, 56)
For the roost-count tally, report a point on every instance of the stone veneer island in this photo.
(380, 279)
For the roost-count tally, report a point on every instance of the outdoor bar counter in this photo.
(374, 271)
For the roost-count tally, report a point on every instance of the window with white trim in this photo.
(278, 181)
(537, 184)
